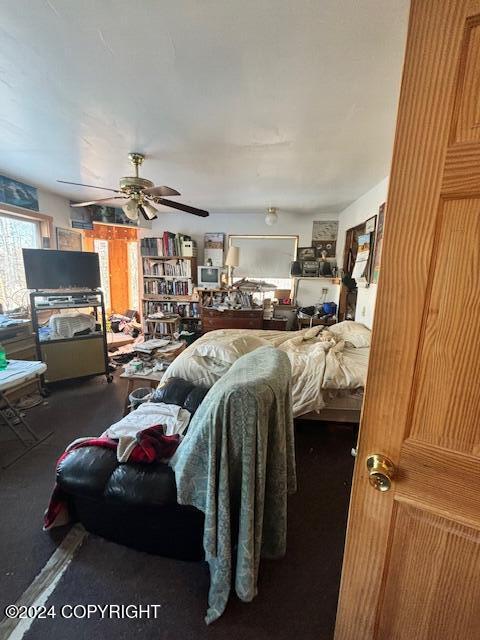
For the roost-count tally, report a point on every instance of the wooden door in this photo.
(412, 560)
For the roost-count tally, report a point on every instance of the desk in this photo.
(17, 373)
(152, 378)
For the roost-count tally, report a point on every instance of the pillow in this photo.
(228, 350)
(355, 334)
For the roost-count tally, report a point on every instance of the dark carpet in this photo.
(297, 595)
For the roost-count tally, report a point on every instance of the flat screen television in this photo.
(50, 269)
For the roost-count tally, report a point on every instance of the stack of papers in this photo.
(150, 345)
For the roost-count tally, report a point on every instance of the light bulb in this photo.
(271, 217)
(130, 209)
(150, 210)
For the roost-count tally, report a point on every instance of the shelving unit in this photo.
(168, 287)
(75, 357)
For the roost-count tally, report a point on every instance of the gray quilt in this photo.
(237, 465)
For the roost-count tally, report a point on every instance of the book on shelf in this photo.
(182, 309)
(169, 244)
(177, 267)
(168, 287)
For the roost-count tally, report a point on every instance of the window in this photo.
(265, 258)
(15, 234)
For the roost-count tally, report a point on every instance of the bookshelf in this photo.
(169, 270)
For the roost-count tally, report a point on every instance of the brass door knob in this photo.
(380, 471)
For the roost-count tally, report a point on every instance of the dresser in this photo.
(231, 319)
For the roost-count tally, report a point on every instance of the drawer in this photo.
(213, 313)
(231, 323)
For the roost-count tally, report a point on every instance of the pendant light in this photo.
(130, 209)
(271, 217)
(150, 211)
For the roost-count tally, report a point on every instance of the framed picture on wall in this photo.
(324, 238)
(18, 193)
(69, 240)
(306, 253)
(213, 248)
(377, 254)
(370, 224)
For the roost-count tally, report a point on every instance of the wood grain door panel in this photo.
(445, 395)
(435, 594)
(412, 557)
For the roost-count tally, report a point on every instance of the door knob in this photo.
(380, 471)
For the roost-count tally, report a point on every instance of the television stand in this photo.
(81, 355)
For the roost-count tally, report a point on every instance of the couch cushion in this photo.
(95, 472)
(194, 398)
(174, 391)
(86, 471)
(142, 484)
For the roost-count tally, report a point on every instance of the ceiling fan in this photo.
(136, 195)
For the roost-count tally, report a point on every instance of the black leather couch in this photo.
(135, 504)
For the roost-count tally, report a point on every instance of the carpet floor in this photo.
(297, 595)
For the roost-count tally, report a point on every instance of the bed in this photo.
(329, 366)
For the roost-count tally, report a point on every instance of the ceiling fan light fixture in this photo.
(150, 211)
(271, 217)
(130, 209)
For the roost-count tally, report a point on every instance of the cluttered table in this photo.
(151, 359)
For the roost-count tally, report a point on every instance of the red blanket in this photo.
(152, 446)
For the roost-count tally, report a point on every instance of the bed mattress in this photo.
(321, 361)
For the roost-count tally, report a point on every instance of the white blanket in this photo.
(319, 359)
(174, 418)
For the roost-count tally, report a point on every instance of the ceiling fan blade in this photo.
(90, 186)
(182, 207)
(106, 202)
(161, 191)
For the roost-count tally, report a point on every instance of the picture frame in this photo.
(68, 239)
(324, 231)
(377, 253)
(306, 253)
(214, 244)
(18, 193)
(371, 224)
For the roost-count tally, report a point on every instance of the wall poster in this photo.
(324, 237)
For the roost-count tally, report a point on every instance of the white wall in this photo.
(55, 206)
(359, 211)
(241, 223)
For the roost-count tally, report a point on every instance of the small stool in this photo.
(163, 326)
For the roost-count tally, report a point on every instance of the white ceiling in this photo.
(239, 104)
